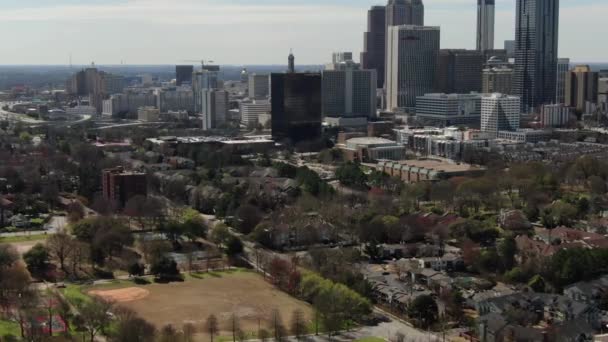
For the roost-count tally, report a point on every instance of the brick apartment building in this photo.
(119, 185)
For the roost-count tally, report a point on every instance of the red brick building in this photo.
(119, 185)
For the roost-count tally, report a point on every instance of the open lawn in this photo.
(9, 328)
(23, 238)
(243, 293)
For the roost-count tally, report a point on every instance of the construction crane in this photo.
(203, 62)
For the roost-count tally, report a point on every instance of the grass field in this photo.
(23, 238)
(245, 294)
(9, 328)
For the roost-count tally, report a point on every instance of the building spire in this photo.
(291, 62)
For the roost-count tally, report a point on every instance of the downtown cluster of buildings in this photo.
(403, 75)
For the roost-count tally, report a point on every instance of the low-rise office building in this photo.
(369, 149)
(414, 171)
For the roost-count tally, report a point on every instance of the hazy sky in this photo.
(248, 31)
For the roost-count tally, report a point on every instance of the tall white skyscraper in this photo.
(485, 25)
(500, 112)
(411, 64)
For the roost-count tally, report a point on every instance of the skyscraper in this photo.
(563, 67)
(296, 106)
(214, 108)
(485, 25)
(349, 91)
(581, 87)
(374, 43)
(459, 71)
(497, 80)
(291, 66)
(259, 86)
(536, 42)
(411, 64)
(183, 74)
(208, 78)
(404, 12)
(510, 48)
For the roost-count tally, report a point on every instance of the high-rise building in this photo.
(349, 91)
(259, 86)
(119, 186)
(536, 48)
(581, 87)
(485, 25)
(251, 112)
(556, 115)
(497, 80)
(97, 85)
(175, 99)
(510, 48)
(499, 112)
(411, 64)
(459, 71)
(296, 106)
(291, 63)
(602, 94)
(563, 67)
(449, 109)
(183, 74)
(404, 12)
(340, 57)
(207, 78)
(374, 43)
(214, 108)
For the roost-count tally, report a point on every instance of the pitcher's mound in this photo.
(122, 295)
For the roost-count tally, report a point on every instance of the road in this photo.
(16, 117)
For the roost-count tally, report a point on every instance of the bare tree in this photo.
(132, 328)
(277, 325)
(94, 316)
(189, 330)
(211, 326)
(298, 324)
(263, 335)
(168, 334)
(234, 326)
(60, 246)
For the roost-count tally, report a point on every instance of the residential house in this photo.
(588, 291)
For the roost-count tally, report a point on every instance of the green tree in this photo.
(350, 174)
(507, 249)
(165, 269)
(37, 260)
(424, 310)
(234, 247)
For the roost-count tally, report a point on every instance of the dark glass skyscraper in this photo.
(183, 74)
(296, 106)
(459, 71)
(374, 42)
(404, 12)
(536, 43)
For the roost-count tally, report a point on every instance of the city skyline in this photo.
(93, 30)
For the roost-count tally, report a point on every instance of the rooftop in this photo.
(370, 141)
(439, 165)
